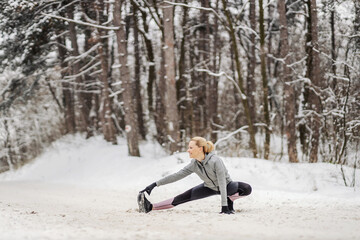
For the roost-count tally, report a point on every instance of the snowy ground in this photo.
(83, 189)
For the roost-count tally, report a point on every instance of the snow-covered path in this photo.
(86, 189)
(35, 210)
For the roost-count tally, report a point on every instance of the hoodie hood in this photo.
(207, 157)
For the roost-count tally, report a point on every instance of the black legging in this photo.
(200, 191)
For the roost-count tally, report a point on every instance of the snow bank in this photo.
(97, 163)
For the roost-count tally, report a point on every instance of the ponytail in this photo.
(208, 146)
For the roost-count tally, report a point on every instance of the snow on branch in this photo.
(116, 93)
(297, 62)
(157, 21)
(83, 55)
(188, 6)
(242, 129)
(81, 22)
(243, 96)
(249, 29)
(95, 73)
(83, 72)
(354, 124)
(87, 18)
(346, 79)
(199, 8)
(91, 62)
(139, 6)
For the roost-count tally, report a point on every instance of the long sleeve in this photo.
(221, 177)
(186, 171)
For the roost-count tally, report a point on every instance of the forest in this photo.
(270, 79)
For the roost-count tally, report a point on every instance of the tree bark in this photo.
(150, 59)
(264, 81)
(244, 100)
(204, 50)
(333, 45)
(107, 123)
(159, 114)
(82, 123)
(251, 83)
(67, 90)
(314, 74)
(213, 91)
(357, 24)
(181, 86)
(137, 71)
(90, 98)
(172, 118)
(130, 116)
(288, 89)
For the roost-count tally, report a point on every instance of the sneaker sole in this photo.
(141, 202)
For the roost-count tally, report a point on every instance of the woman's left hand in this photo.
(225, 210)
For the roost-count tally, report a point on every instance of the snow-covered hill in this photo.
(86, 189)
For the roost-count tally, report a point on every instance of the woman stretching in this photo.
(211, 169)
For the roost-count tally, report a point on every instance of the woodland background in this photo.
(266, 79)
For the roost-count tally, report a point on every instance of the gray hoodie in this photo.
(211, 170)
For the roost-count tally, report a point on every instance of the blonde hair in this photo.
(208, 146)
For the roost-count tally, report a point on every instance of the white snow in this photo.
(86, 189)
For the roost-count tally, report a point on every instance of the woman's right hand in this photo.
(149, 188)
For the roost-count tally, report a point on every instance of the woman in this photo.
(211, 169)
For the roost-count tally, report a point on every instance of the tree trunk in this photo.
(159, 114)
(264, 81)
(108, 126)
(67, 91)
(130, 116)
(137, 71)
(314, 74)
(89, 96)
(172, 118)
(333, 45)
(204, 53)
(83, 117)
(240, 79)
(288, 89)
(151, 62)
(357, 24)
(213, 91)
(251, 83)
(181, 86)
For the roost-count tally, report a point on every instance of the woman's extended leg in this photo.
(194, 193)
(235, 190)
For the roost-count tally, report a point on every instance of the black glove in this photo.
(149, 188)
(225, 210)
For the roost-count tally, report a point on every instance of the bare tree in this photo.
(184, 103)
(244, 99)
(213, 95)
(108, 127)
(67, 90)
(316, 78)
(264, 80)
(130, 116)
(289, 93)
(137, 72)
(80, 103)
(170, 93)
(250, 82)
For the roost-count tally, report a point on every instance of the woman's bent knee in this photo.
(248, 190)
(244, 189)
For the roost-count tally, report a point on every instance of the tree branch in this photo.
(80, 22)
